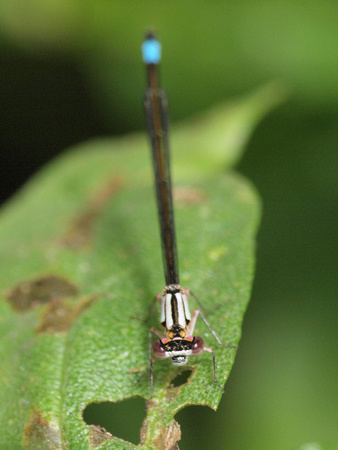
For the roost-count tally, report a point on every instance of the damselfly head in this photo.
(178, 349)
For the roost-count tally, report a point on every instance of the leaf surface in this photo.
(80, 257)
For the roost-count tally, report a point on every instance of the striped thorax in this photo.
(175, 314)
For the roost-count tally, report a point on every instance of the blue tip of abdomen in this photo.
(151, 51)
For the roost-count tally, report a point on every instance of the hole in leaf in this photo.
(201, 428)
(181, 378)
(122, 419)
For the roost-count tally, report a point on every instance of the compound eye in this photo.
(158, 349)
(197, 346)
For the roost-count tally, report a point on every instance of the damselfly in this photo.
(178, 341)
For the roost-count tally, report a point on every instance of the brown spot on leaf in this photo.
(59, 316)
(189, 196)
(79, 234)
(39, 434)
(30, 294)
(98, 435)
(168, 438)
(136, 369)
(82, 305)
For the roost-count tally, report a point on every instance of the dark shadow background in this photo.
(73, 71)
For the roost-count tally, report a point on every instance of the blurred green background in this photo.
(71, 69)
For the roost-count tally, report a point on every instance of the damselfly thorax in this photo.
(175, 314)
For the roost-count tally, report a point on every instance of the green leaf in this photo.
(80, 257)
